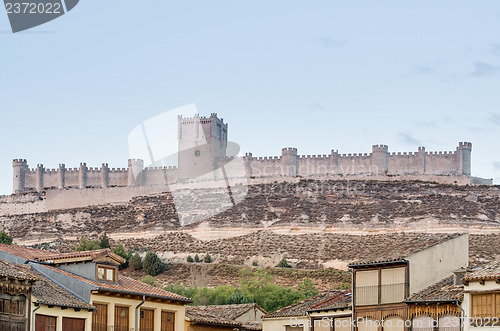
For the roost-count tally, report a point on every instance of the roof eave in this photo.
(380, 263)
(104, 289)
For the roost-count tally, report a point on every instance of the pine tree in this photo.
(152, 264)
(196, 258)
(189, 259)
(207, 259)
(135, 262)
(104, 243)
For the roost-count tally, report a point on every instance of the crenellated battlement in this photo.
(210, 155)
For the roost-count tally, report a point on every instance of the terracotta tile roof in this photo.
(48, 293)
(442, 291)
(127, 285)
(15, 271)
(341, 299)
(203, 316)
(300, 308)
(252, 326)
(26, 252)
(44, 290)
(398, 251)
(488, 272)
(94, 254)
(230, 312)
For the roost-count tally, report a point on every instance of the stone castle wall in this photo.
(378, 163)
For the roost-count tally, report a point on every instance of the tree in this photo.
(5, 238)
(207, 259)
(88, 245)
(104, 243)
(135, 262)
(213, 296)
(260, 287)
(255, 263)
(196, 258)
(308, 288)
(152, 264)
(148, 279)
(237, 298)
(283, 264)
(120, 250)
(189, 259)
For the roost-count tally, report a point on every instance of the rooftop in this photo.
(342, 299)
(488, 272)
(26, 252)
(126, 285)
(83, 256)
(45, 291)
(15, 271)
(397, 251)
(48, 293)
(205, 316)
(443, 291)
(300, 308)
(230, 312)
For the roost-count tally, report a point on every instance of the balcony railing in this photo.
(379, 294)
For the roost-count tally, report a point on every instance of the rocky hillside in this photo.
(312, 223)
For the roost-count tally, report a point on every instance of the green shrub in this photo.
(196, 258)
(189, 259)
(5, 238)
(152, 264)
(88, 245)
(135, 262)
(283, 264)
(255, 263)
(148, 279)
(207, 259)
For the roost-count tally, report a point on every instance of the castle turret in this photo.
(82, 175)
(104, 175)
(39, 177)
(19, 167)
(61, 171)
(289, 162)
(135, 167)
(464, 157)
(380, 160)
(334, 162)
(248, 164)
(422, 160)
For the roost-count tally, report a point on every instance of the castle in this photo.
(202, 155)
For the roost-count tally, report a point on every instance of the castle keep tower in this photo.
(202, 145)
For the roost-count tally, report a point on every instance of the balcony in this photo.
(379, 294)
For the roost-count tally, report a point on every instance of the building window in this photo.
(485, 307)
(380, 286)
(106, 273)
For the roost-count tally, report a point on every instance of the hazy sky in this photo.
(316, 75)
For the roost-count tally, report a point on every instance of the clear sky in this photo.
(316, 75)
